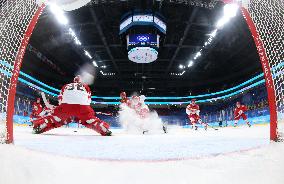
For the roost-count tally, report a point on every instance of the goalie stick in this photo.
(46, 103)
(103, 113)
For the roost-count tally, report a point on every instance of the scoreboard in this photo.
(142, 40)
(142, 30)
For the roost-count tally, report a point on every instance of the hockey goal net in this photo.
(265, 20)
(17, 20)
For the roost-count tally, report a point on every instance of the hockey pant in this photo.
(194, 118)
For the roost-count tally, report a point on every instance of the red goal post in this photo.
(264, 18)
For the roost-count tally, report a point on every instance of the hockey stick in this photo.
(237, 116)
(48, 105)
(207, 124)
(212, 127)
(103, 113)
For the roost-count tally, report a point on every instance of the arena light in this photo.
(71, 32)
(104, 66)
(214, 33)
(190, 64)
(197, 54)
(222, 22)
(181, 67)
(58, 13)
(230, 10)
(95, 64)
(88, 54)
(102, 72)
(106, 73)
(76, 40)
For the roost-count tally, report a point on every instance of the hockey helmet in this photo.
(122, 94)
(77, 79)
(135, 99)
(142, 98)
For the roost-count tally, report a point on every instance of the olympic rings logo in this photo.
(142, 38)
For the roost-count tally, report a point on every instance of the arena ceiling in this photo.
(230, 59)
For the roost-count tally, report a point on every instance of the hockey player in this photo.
(134, 103)
(192, 110)
(36, 109)
(138, 103)
(74, 101)
(48, 109)
(239, 113)
(124, 99)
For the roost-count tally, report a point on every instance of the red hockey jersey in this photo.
(36, 109)
(192, 109)
(240, 110)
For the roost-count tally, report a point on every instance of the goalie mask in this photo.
(77, 79)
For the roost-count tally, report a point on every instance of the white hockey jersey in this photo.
(75, 93)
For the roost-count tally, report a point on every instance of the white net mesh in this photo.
(15, 17)
(268, 17)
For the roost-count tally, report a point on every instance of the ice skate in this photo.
(108, 133)
(36, 130)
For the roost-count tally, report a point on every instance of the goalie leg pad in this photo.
(98, 125)
(45, 124)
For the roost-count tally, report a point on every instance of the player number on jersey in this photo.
(73, 86)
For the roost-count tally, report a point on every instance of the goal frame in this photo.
(15, 74)
(254, 32)
(267, 74)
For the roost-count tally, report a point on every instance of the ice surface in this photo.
(179, 143)
(261, 165)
